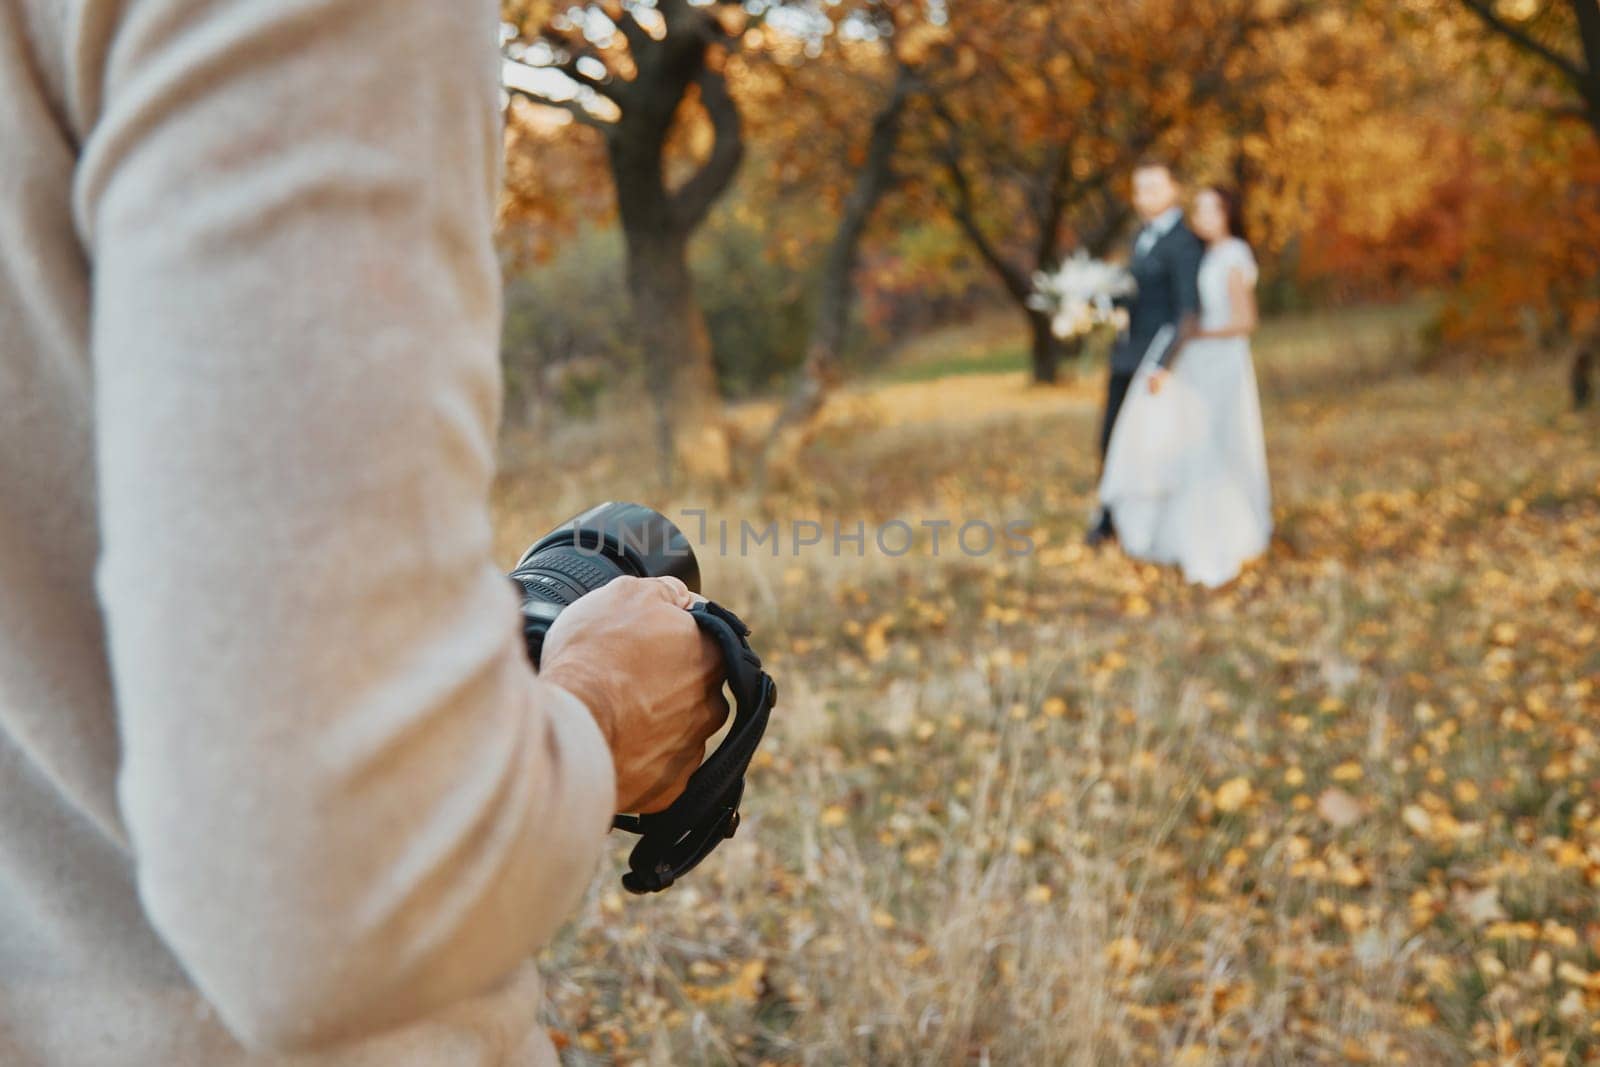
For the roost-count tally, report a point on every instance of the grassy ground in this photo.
(1061, 808)
(996, 343)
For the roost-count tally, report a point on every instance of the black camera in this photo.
(599, 546)
(589, 550)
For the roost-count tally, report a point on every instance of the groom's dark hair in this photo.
(1159, 163)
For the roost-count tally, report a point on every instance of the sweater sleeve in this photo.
(349, 800)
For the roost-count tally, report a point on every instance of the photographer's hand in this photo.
(631, 652)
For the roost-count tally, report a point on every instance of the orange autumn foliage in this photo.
(1533, 255)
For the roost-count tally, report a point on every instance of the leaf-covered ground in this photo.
(1062, 808)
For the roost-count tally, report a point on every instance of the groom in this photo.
(1166, 264)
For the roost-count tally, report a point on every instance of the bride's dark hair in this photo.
(1233, 209)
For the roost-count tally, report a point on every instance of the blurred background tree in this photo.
(630, 70)
(851, 90)
(1539, 249)
(787, 191)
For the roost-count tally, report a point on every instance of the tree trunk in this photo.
(672, 337)
(672, 334)
(1582, 379)
(876, 176)
(679, 57)
(668, 325)
(830, 324)
(1046, 349)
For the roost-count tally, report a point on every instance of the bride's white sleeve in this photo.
(1245, 260)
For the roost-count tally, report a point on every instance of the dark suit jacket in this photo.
(1169, 289)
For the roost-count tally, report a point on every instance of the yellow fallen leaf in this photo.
(1572, 974)
(1124, 952)
(1348, 771)
(875, 645)
(1417, 820)
(746, 986)
(1233, 794)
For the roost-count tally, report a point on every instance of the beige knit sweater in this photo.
(274, 773)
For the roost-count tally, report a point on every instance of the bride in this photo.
(1185, 476)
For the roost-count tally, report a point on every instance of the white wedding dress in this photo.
(1185, 475)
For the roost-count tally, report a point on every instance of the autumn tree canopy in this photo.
(911, 148)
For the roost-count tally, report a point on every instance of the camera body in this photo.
(604, 544)
(589, 550)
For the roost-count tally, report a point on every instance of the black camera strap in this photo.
(673, 841)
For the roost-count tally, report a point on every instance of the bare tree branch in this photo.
(637, 36)
(836, 290)
(1524, 40)
(573, 107)
(571, 49)
(962, 207)
(675, 12)
(1563, 112)
(1587, 12)
(734, 42)
(695, 197)
(1109, 215)
(1054, 206)
(610, 87)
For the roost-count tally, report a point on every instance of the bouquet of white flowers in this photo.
(1078, 296)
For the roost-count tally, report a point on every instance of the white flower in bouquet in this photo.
(1079, 295)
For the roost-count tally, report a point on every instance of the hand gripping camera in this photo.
(585, 553)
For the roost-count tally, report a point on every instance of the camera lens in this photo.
(562, 574)
(589, 550)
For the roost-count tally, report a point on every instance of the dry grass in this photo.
(1064, 809)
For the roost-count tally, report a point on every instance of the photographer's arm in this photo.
(349, 800)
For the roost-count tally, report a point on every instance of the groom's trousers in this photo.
(1116, 392)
